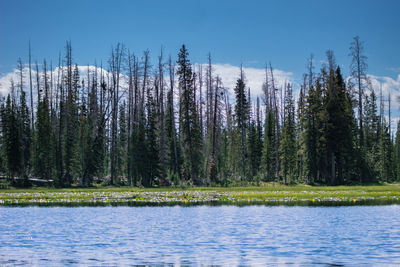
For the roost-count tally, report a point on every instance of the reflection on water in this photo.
(223, 235)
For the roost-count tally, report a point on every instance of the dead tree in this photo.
(115, 68)
(30, 87)
(161, 112)
(358, 69)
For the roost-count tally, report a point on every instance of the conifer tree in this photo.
(122, 142)
(268, 156)
(339, 129)
(173, 153)
(11, 138)
(43, 160)
(241, 113)
(152, 157)
(25, 136)
(288, 138)
(188, 125)
(397, 153)
(71, 156)
(314, 133)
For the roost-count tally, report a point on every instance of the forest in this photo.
(175, 124)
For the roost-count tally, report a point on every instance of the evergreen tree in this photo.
(122, 142)
(241, 114)
(288, 138)
(385, 162)
(397, 153)
(11, 138)
(189, 124)
(251, 150)
(43, 160)
(371, 134)
(314, 133)
(254, 141)
(268, 155)
(173, 149)
(139, 149)
(83, 138)
(301, 134)
(71, 155)
(152, 159)
(25, 136)
(339, 129)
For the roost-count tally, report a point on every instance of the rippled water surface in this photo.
(223, 235)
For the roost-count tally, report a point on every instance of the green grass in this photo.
(268, 194)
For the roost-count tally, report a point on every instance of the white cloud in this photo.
(5, 80)
(254, 77)
(389, 85)
(229, 74)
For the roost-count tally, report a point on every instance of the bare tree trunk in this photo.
(116, 60)
(171, 84)
(145, 77)
(38, 82)
(242, 126)
(46, 84)
(201, 99)
(130, 108)
(277, 125)
(214, 132)
(161, 112)
(30, 86)
(209, 94)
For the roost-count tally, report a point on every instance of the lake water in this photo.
(221, 235)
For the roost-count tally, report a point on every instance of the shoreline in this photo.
(239, 196)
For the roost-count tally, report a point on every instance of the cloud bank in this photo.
(255, 77)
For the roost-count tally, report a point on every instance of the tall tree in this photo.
(173, 149)
(288, 143)
(116, 61)
(189, 126)
(241, 112)
(10, 132)
(358, 69)
(339, 129)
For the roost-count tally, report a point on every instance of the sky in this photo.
(251, 33)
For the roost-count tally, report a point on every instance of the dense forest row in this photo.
(174, 124)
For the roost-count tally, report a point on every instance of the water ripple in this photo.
(203, 235)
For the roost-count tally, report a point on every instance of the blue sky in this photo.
(253, 32)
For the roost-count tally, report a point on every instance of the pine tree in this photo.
(339, 129)
(83, 135)
(241, 114)
(139, 148)
(173, 150)
(71, 156)
(252, 150)
(301, 134)
(25, 136)
(268, 155)
(189, 127)
(314, 133)
(11, 138)
(152, 157)
(288, 138)
(397, 153)
(385, 164)
(43, 160)
(122, 142)
(371, 134)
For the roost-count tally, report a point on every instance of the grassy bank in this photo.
(301, 195)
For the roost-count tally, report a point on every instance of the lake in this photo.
(218, 235)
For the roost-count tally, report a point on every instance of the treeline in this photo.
(173, 123)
